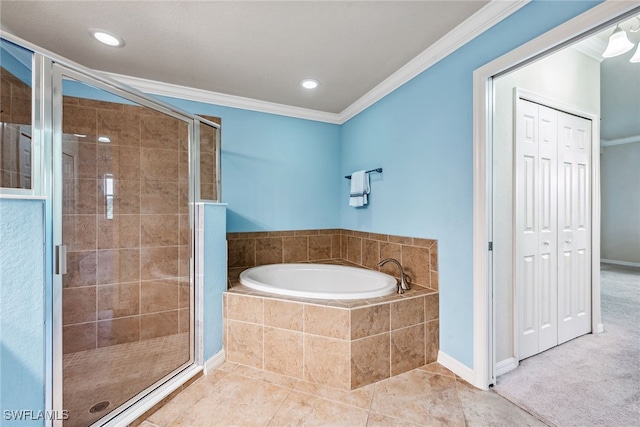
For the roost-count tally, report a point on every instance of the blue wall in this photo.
(22, 308)
(215, 276)
(14, 61)
(278, 173)
(422, 135)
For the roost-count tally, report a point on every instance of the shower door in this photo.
(123, 235)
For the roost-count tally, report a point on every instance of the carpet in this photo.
(593, 380)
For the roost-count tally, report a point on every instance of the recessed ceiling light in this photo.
(310, 83)
(104, 139)
(106, 37)
(80, 135)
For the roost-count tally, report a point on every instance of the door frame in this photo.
(588, 23)
(596, 320)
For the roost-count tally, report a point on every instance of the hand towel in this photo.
(359, 189)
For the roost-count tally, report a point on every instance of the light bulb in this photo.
(618, 44)
(106, 37)
(310, 83)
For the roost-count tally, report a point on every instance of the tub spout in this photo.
(405, 280)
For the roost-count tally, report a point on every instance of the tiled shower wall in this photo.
(208, 163)
(419, 257)
(15, 111)
(128, 276)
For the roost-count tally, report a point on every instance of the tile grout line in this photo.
(279, 407)
(261, 324)
(464, 415)
(304, 346)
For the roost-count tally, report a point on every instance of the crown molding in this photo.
(494, 12)
(592, 47)
(209, 97)
(619, 141)
(476, 24)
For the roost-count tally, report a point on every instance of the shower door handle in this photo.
(61, 259)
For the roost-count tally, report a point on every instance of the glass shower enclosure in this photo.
(126, 294)
(121, 173)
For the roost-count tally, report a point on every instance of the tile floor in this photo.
(236, 395)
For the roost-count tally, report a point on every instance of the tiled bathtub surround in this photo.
(336, 343)
(344, 344)
(419, 257)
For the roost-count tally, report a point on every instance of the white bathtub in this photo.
(324, 281)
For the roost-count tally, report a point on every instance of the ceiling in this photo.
(254, 49)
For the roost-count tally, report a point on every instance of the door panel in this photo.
(547, 196)
(124, 216)
(526, 152)
(536, 199)
(574, 223)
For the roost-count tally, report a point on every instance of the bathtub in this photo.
(322, 281)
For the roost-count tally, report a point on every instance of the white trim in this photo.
(592, 47)
(482, 258)
(619, 141)
(616, 262)
(21, 196)
(213, 362)
(485, 18)
(461, 370)
(482, 104)
(209, 97)
(556, 105)
(506, 365)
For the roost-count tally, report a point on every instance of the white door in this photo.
(574, 225)
(546, 142)
(536, 227)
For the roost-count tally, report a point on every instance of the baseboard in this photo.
(461, 370)
(506, 365)
(213, 362)
(616, 262)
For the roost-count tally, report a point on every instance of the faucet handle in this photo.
(406, 281)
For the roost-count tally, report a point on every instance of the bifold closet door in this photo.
(574, 225)
(536, 227)
(552, 227)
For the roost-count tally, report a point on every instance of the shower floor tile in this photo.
(115, 374)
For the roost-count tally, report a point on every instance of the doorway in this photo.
(574, 90)
(485, 343)
(544, 381)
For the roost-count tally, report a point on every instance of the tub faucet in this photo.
(404, 278)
